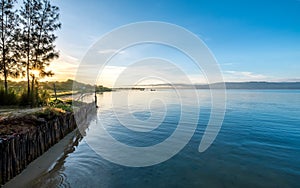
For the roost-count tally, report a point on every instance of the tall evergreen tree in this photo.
(39, 21)
(8, 42)
(28, 14)
(47, 23)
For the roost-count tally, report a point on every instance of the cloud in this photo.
(147, 71)
(109, 75)
(286, 80)
(65, 67)
(237, 76)
(70, 59)
(112, 51)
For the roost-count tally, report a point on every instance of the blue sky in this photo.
(251, 40)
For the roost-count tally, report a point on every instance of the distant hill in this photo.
(60, 86)
(256, 85)
(69, 84)
(238, 85)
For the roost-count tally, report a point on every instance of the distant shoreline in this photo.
(229, 85)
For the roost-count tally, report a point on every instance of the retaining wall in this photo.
(19, 149)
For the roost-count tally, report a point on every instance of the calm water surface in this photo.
(258, 145)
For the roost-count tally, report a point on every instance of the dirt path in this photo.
(5, 112)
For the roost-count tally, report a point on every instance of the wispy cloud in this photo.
(149, 72)
(70, 59)
(109, 75)
(65, 67)
(244, 76)
(66, 58)
(286, 80)
(112, 51)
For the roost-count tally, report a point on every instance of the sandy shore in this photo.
(42, 164)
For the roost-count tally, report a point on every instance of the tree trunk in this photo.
(5, 79)
(28, 79)
(3, 50)
(28, 58)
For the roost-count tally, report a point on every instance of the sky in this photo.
(251, 40)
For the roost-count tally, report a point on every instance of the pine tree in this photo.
(8, 42)
(39, 21)
(44, 51)
(28, 14)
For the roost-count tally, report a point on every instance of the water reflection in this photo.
(258, 146)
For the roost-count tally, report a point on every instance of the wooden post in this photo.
(96, 98)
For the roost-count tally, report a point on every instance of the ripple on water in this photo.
(258, 146)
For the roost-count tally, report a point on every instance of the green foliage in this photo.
(64, 88)
(44, 98)
(40, 96)
(27, 37)
(64, 105)
(102, 89)
(49, 112)
(39, 20)
(8, 98)
(24, 99)
(35, 99)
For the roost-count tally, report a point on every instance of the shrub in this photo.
(9, 98)
(35, 98)
(57, 103)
